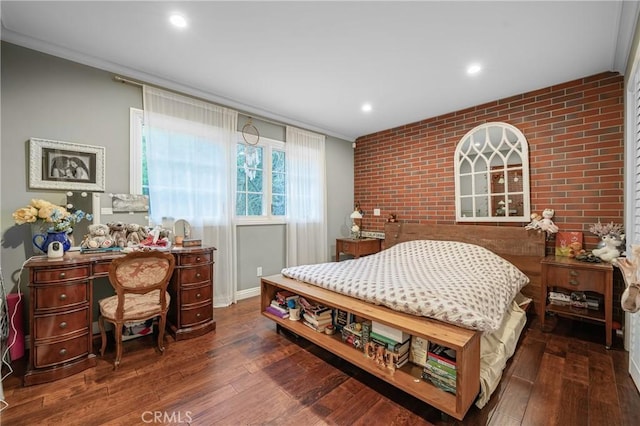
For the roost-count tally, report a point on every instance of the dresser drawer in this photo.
(197, 315)
(61, 274)
(576, 278)
(101, 268)
(56, 353)
(195, 274)
(57, 296)
(194, 259)
(60, 324)
(196, 295)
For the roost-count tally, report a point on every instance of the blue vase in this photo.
(42, 241)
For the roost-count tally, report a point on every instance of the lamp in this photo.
(355, 216)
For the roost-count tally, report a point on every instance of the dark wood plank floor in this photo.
(247, 373)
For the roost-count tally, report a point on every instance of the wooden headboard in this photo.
(524, 248)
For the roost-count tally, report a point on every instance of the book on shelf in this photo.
(594, 300)
(342, 318)
(418, 350)
(444, 385)
(442, 368)
(443, 377)
(314, 308)
(321, 322)
(279, 307)
(442, 354)
(86, 250)
(390, 332)
(365, 331)
(319, 328)
(578, 299)
(396, 360)
(192, 242)
(392, 345)
(283, 296)
(273, 310)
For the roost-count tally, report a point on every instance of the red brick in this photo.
(575, 135)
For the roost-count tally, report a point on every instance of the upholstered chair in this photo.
(140, 280)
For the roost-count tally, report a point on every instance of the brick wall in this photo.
(576, 148)
(575, 135)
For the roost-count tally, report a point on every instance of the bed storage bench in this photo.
(465, 342)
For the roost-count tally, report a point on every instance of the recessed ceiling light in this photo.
(366, 107)
(178, 20)
(474, 69)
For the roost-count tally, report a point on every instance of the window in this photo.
(260, 181)
(260, 175)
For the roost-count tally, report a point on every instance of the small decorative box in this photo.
(352, 336)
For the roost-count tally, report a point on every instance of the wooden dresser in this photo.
(191, 289)
(61, 307)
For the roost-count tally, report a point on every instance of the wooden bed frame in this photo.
(523, 248)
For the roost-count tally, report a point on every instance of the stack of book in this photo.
(578, 299)
(314, 315)
(283, 297)
(559, 298)
(387, 347)
(441, 367)
(277, 309)
(594, 300)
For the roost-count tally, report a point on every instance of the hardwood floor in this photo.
(247, 373)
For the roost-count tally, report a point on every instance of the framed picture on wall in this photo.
(66, 166)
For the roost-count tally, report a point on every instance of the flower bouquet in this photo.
(53, 219)
(56, 218)
(607, 229)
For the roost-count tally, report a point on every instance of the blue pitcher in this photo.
(42, 241)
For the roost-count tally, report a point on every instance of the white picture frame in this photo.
(66, 166)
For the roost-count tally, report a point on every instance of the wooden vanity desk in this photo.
(61, 307)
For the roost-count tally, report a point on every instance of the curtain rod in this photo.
(250, 116)
(127, 81)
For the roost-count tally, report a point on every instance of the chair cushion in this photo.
(136, 306)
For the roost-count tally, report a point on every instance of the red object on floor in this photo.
(15, 340)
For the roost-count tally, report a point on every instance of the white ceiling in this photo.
(314, 64)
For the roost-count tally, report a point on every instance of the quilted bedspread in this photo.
(459, 283)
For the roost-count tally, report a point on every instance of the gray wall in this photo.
(48, 97)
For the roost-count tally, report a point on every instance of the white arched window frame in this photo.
(491, 166)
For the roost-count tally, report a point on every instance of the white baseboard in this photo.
(250, 292)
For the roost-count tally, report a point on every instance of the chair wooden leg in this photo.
(103, 335)
(117, 332)
(161, 325)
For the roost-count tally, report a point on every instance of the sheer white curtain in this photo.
(306, 198)
(190, 146)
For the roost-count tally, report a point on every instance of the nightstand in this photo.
(568, 275)
(357, 246)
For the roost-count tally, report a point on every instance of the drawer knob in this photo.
(63, 351)
(63, 324)
(198, 275)
(574, 282)
(198, 259)
(198, 296)
(62, 274)
(198, 315)
(573, 273)
(63, 296)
